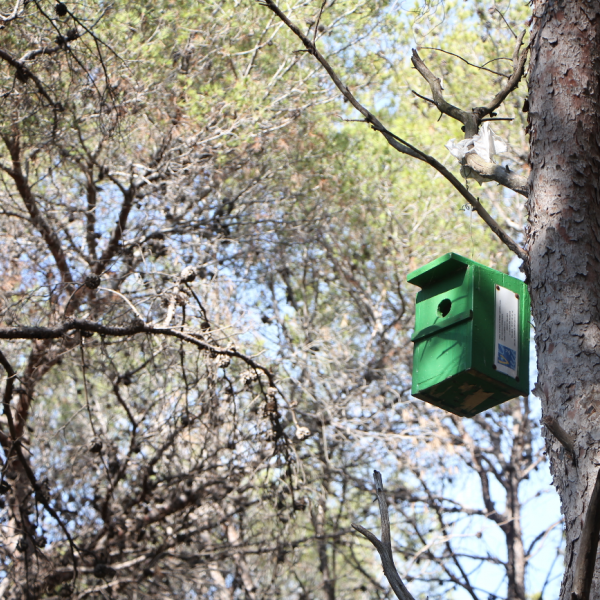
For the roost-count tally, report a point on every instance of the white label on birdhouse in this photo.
(506, 348)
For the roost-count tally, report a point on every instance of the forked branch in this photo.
(396, 142)
(384, 546)
(485, 171)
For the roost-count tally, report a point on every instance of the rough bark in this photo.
(564, 246)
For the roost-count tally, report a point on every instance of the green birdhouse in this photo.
(471, 336)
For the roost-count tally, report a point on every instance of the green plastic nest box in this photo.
(471, 336)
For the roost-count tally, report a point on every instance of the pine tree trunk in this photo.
(564, 246)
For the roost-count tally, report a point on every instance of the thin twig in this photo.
(318, 21)
(137, 326)
(133, 308)
(483, 68)
(504, 19)
(423, 97)
(384, 546)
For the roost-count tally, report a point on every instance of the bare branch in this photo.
(473, 165)
(70, 36)
(11, 16)
(438, 97)
(560, 434)
(318, 21)
(504, 19)
(90, 214)
(472, 120)
(492, 512)
(37, 219)
(48, 333)
(16, 446)
(384, 546)
(541, 536)
(423, 97)
(488, 171)
(483, 68)
(519, 58)
(117, 234)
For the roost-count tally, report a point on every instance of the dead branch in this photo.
(12, 15)
(468, 120)
(588, 547)
(519, 57)
(423, 97)
(398, 143)
(472, 119)
(384, 546)
(437, 507)
(566, 440)
(119, 230)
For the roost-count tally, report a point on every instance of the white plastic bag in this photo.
(485, 144)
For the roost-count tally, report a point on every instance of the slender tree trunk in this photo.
(564, 245)
(318, 518)
(514, 542)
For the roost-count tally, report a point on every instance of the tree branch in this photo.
(488, 171)
(477, 466)
(438, 97)
(137, 326)
(567, 441)
(398, 143)
(473, 165)
(37, 219)
(117, 234)
(519, 58)
(11, 16)
(24, 73)
(90, 214)
(384, 547)
(483, 67)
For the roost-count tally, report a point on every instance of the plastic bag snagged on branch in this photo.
(486, 144)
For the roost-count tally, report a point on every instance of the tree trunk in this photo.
(564, 245)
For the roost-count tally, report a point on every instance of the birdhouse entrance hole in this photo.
(444, 307)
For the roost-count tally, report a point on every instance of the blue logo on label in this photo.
(507, 357)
